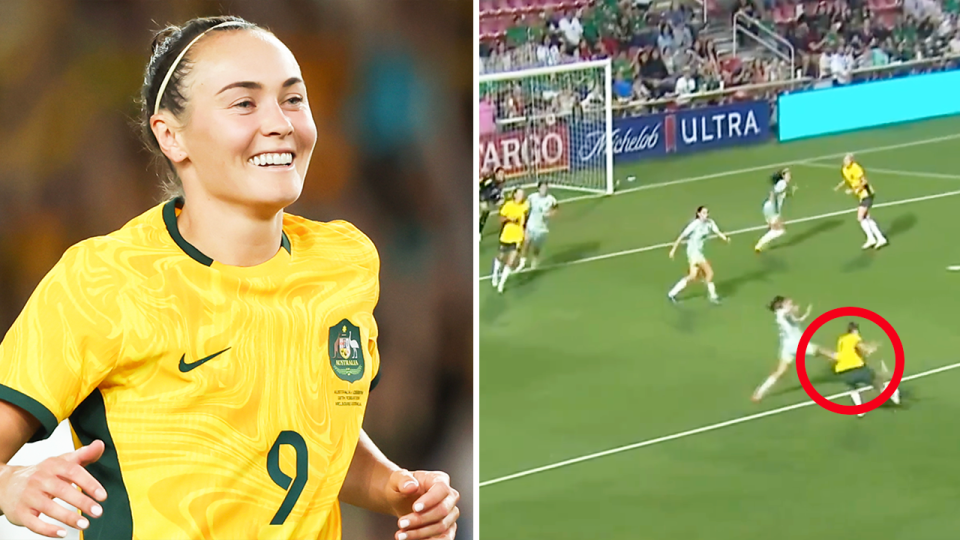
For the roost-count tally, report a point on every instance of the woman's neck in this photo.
(228, 233)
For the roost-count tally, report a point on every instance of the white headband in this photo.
(173, 67)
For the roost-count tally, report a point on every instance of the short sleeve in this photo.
(373, 351)
(366, 318)
(65, 341)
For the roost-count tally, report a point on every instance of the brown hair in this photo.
(167, 46)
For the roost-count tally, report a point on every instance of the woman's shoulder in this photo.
(328, 237)
(115, 252)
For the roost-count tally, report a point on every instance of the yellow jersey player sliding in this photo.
(852, 367)
(513, 216)
(858, 185)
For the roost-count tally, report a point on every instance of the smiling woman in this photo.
(214, 355)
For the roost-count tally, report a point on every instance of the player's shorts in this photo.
(508, 247)
(788, 351)
(867, 202)
(695, 257)
(857, 377)
(770, 213)
(536, 239)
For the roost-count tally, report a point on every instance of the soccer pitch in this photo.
(606, 412)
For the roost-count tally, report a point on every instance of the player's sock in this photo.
(483, 220)
(767, 384)
(503, 278)
(497, 265)
(867, 229)
(764, 239)
(713, 290)
(856, 401)
(896, 393)
(523, 262)
(768, 237)
(876, 230)
(678, 287)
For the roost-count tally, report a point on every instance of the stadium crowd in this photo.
(663, 50)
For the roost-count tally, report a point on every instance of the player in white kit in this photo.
(788, 323)
(695, 233)
(542, 206)
(773, 206)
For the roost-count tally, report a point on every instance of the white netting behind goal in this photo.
(552, 123)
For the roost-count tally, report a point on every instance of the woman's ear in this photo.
(166, 129)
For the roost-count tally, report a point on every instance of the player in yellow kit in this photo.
(215, 355)
(851, 366)
(858, 185)
(513, 218)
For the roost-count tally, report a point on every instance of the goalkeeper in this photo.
(491, 194)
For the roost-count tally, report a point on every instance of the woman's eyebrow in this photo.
(257, 86)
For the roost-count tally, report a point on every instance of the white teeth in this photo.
(261, 160)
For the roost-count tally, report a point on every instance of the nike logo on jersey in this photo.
(185, 367)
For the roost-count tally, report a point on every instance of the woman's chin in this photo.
(277, 197)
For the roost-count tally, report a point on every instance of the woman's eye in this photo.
(296, 100)
(244, 104)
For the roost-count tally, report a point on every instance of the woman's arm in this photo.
(17, 426)
(366, 483)
(423, 501)
(26, 492)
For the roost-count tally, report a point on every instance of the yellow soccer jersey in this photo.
(230, 399)
(847, 355)
(854, 177)
(512, 232)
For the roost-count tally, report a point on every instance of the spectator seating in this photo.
(498, 15)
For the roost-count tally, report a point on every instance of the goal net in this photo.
(553, 123)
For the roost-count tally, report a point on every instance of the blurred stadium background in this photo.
(390, 86)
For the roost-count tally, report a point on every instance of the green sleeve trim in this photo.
(375, 381)
(48, 420)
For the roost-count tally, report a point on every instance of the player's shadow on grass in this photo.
(902, 224)
(815, 378)
(493, 305)
(768, 265)
(686, 321)
(861, 262)
(819, 228)
(569, 254)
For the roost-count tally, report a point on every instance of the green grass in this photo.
(581, 358)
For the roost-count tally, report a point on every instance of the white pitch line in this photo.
(738, 231)
(916, 174)
(697, 431)
(770, 166)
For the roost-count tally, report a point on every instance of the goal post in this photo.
(551, 123)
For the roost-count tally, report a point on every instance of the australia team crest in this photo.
(346, 354)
